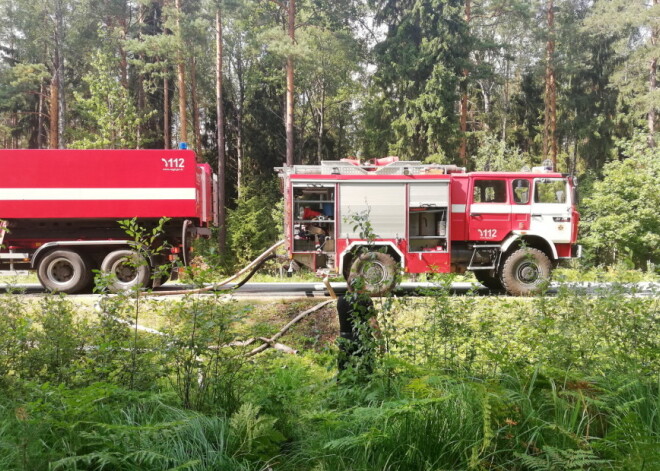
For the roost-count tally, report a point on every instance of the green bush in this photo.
(256, 222)
(621, 222)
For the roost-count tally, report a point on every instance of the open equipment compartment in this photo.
(428, 216)
(313, 217)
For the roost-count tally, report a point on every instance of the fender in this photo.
(515, 235)
(76, 243)
(352, 245)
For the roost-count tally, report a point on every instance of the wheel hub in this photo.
(125, 272)
(374, 273)
(60, 271)
(528, 272)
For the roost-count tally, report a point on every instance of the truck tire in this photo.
(488, 279)
(64, 271)
(525, 271)
(130, 270)
(372, 273)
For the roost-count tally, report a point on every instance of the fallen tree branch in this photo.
(278, 346)
(271, 341)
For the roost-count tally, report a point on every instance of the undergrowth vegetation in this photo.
(568, 382)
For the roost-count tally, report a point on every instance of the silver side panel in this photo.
(385, 202)
(431, 194)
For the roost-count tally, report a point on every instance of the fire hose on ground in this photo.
(251, 269)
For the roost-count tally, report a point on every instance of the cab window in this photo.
(520, 191)
(489, 191)
(548, 190)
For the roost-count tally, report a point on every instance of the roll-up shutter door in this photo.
(429, 194)
(386, 203)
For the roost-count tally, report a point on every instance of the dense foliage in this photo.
(623, 222)
(566, 383)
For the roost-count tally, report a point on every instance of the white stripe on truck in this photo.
(490, 208)
(95, 194)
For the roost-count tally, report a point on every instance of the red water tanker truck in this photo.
(59, 212)
(509, 228)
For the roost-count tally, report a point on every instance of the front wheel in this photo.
(372, 273)
(525, 271)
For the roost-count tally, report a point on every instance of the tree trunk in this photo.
(140, 84)
(220, 112)
(14, 126)
(53, 111)
(652, 85)
(167, 138)
(195, 108)
(181, 72)
(485, 95)
(140, 108)
(550, 128)
(462, 152)
(319, 145)
(40, 115)
(123, 57)
(506, 99)
(59, 65)
(290, 84)
(651, 115)
(240, 104)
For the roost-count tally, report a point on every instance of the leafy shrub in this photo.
(620, 218)
(255, 222)
(201, 367)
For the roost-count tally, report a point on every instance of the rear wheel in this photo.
(488, 279)
(130, 270)
(525, 271)
(64, 271)
(372, 273)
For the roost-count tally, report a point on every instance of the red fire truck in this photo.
(59, 211)
(509, 228)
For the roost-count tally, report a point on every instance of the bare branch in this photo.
(271, 342)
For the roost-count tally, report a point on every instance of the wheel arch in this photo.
(84, 245)
(537, 241)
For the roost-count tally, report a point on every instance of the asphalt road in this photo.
(318, 290)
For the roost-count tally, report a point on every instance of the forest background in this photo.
(564, 382)
(489, 85)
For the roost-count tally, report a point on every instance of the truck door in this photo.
(489, 211)
(551, 209)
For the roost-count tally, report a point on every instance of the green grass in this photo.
(605, 274)
(485, 383)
